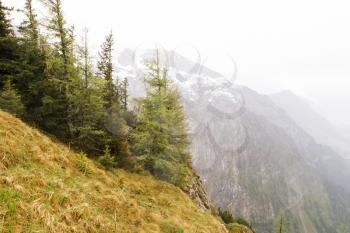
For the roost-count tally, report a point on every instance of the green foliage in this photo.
(130, 119)
(53, 77)
(226, 216)
(243, 222)
(238, 228)
(114, 122)
(30, 26)
(163, 169)
(106, 159)
(160, 137)
(5, 26)
(105, 68)
(10, 100)
(8, 198)
(232, 223)
(82, 165)
(123, 94)
(10, 65)
(180, 175)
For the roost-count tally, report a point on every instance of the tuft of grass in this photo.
(8, 199)
(238, 228)
(46, 187)
(169, 226)
(82, 164)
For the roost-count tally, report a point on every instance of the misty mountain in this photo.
(260, 162)
(253, 156)
(312, 122)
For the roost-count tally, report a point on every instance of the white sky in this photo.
(301, 45)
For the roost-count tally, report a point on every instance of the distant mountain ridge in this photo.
(312, 122)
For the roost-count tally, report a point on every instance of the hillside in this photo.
(46, 187)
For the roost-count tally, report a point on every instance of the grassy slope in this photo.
(45, 187)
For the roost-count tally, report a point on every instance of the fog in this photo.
(300, 45)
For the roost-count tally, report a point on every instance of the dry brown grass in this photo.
(46, 187)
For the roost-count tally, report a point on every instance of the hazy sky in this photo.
(301, 45)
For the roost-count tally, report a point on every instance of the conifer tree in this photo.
(10, 100)
(114, 121)
(63, 43)
(88, 127)
(32, 81)
(160, 139)
(5, 25)
(86, 64)
(30, 26)
(9, 52)
(105, 68)
(123, 94)
(58, 105)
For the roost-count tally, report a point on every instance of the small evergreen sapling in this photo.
(10, 100)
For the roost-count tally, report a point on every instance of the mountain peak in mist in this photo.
(302, 112)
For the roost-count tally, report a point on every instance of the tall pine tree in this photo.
(105, 68)
(9, 52)
(89, 132)
(30, 26)
(5, 25)
(10, 100)
(32, 81)
(123, 94)
(160, 139)
(114, 120)
(58, 104)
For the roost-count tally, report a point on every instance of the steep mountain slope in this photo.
(313, 123)
(257, 162)
(46, 187)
